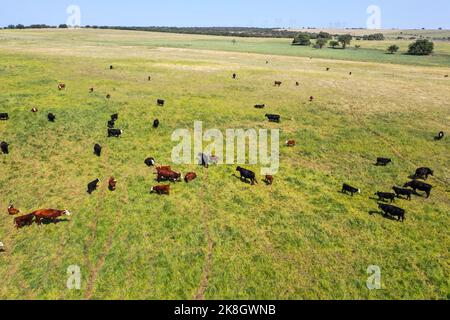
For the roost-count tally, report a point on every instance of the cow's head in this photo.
(359, 190)
(67, 213)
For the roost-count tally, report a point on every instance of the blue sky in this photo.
(255, 13)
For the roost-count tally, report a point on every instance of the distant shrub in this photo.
(320, 43)
(393, 49)
(421, 48)
(302, 39)
(345, 40)
(374, 37)
(334, 44)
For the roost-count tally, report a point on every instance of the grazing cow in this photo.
(149, 78)
(4, 116)
(382, 196)
(423, 173)
(163, 168)
(156, 124)
(4, 147)
(350, 73)
(291, 143)
(49, 214)
(112, 184)
(234, 75)
(383, 162)
(150, 162)
(440, 136)
(190, 176)
(12, 211)
(347, 188)
(311, 99)
(91, 90)
(111, 67)
(260, 106)
(61, 86)
(161, 190)
(115, 117)
(297, 84)
(278, 83)
(168, 175)
(403, 192)
(160, 102)
(114, 133)
(247, 175)
(22, 221)
(51, 117)
(92, 186)
(419, 185)
(328, 69)
(269, 180)
(111, 124)
(97, 150)
(446, 76)
(393, 211)
(34, 110)
(273, 117)
(108, 96)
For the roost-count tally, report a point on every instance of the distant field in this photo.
(218, 238)
(389, 33)
(370, 51)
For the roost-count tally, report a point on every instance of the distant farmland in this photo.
(219, 238)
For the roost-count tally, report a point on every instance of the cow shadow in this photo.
(55, 221)
(246, 181)
(382, 214)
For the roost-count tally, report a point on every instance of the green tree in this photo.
(302, 39)
(334, 44)
(63, 26)
(321, 42)
(393, 49)
(421, 48)
(345, 40)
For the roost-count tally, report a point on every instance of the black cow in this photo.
(383, 161)
(114, 133)
(4, 116)
(4, 147)
(419, 185)
(111, 124)
(51, 117)
(403, 192)
(382, 196)
(98, 150)
(423, 173)
(260, 106)
(273, 117)
(156, 124)
(150, 162)
(234, 75)
(160, 102)
(111, 67)
(393, 211)
(92, 186)
(115, 117)
(440, 136)
(247, 175)
(349, 189)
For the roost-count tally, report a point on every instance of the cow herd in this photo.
(165, 173)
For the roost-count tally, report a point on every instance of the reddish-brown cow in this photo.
(191, 176)
(26, 220)
(13, 211)
(161, 190)
(49, 214)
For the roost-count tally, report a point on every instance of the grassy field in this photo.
(218, 238)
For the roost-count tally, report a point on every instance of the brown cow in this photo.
(291, 143)
(297, 84)
(112, 184)
(269, 180)
(311, 99)
(168, 175)
(108, 96)
(149, 78)
(446, 76)
(278, 83)
(13, 211)
(161, 190)
(26, 220)
(49, 214)
(61, 86)
(191, 176)
(91, 90)
(163, 168)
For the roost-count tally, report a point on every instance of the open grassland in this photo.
(370, 51)
(218, 238)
